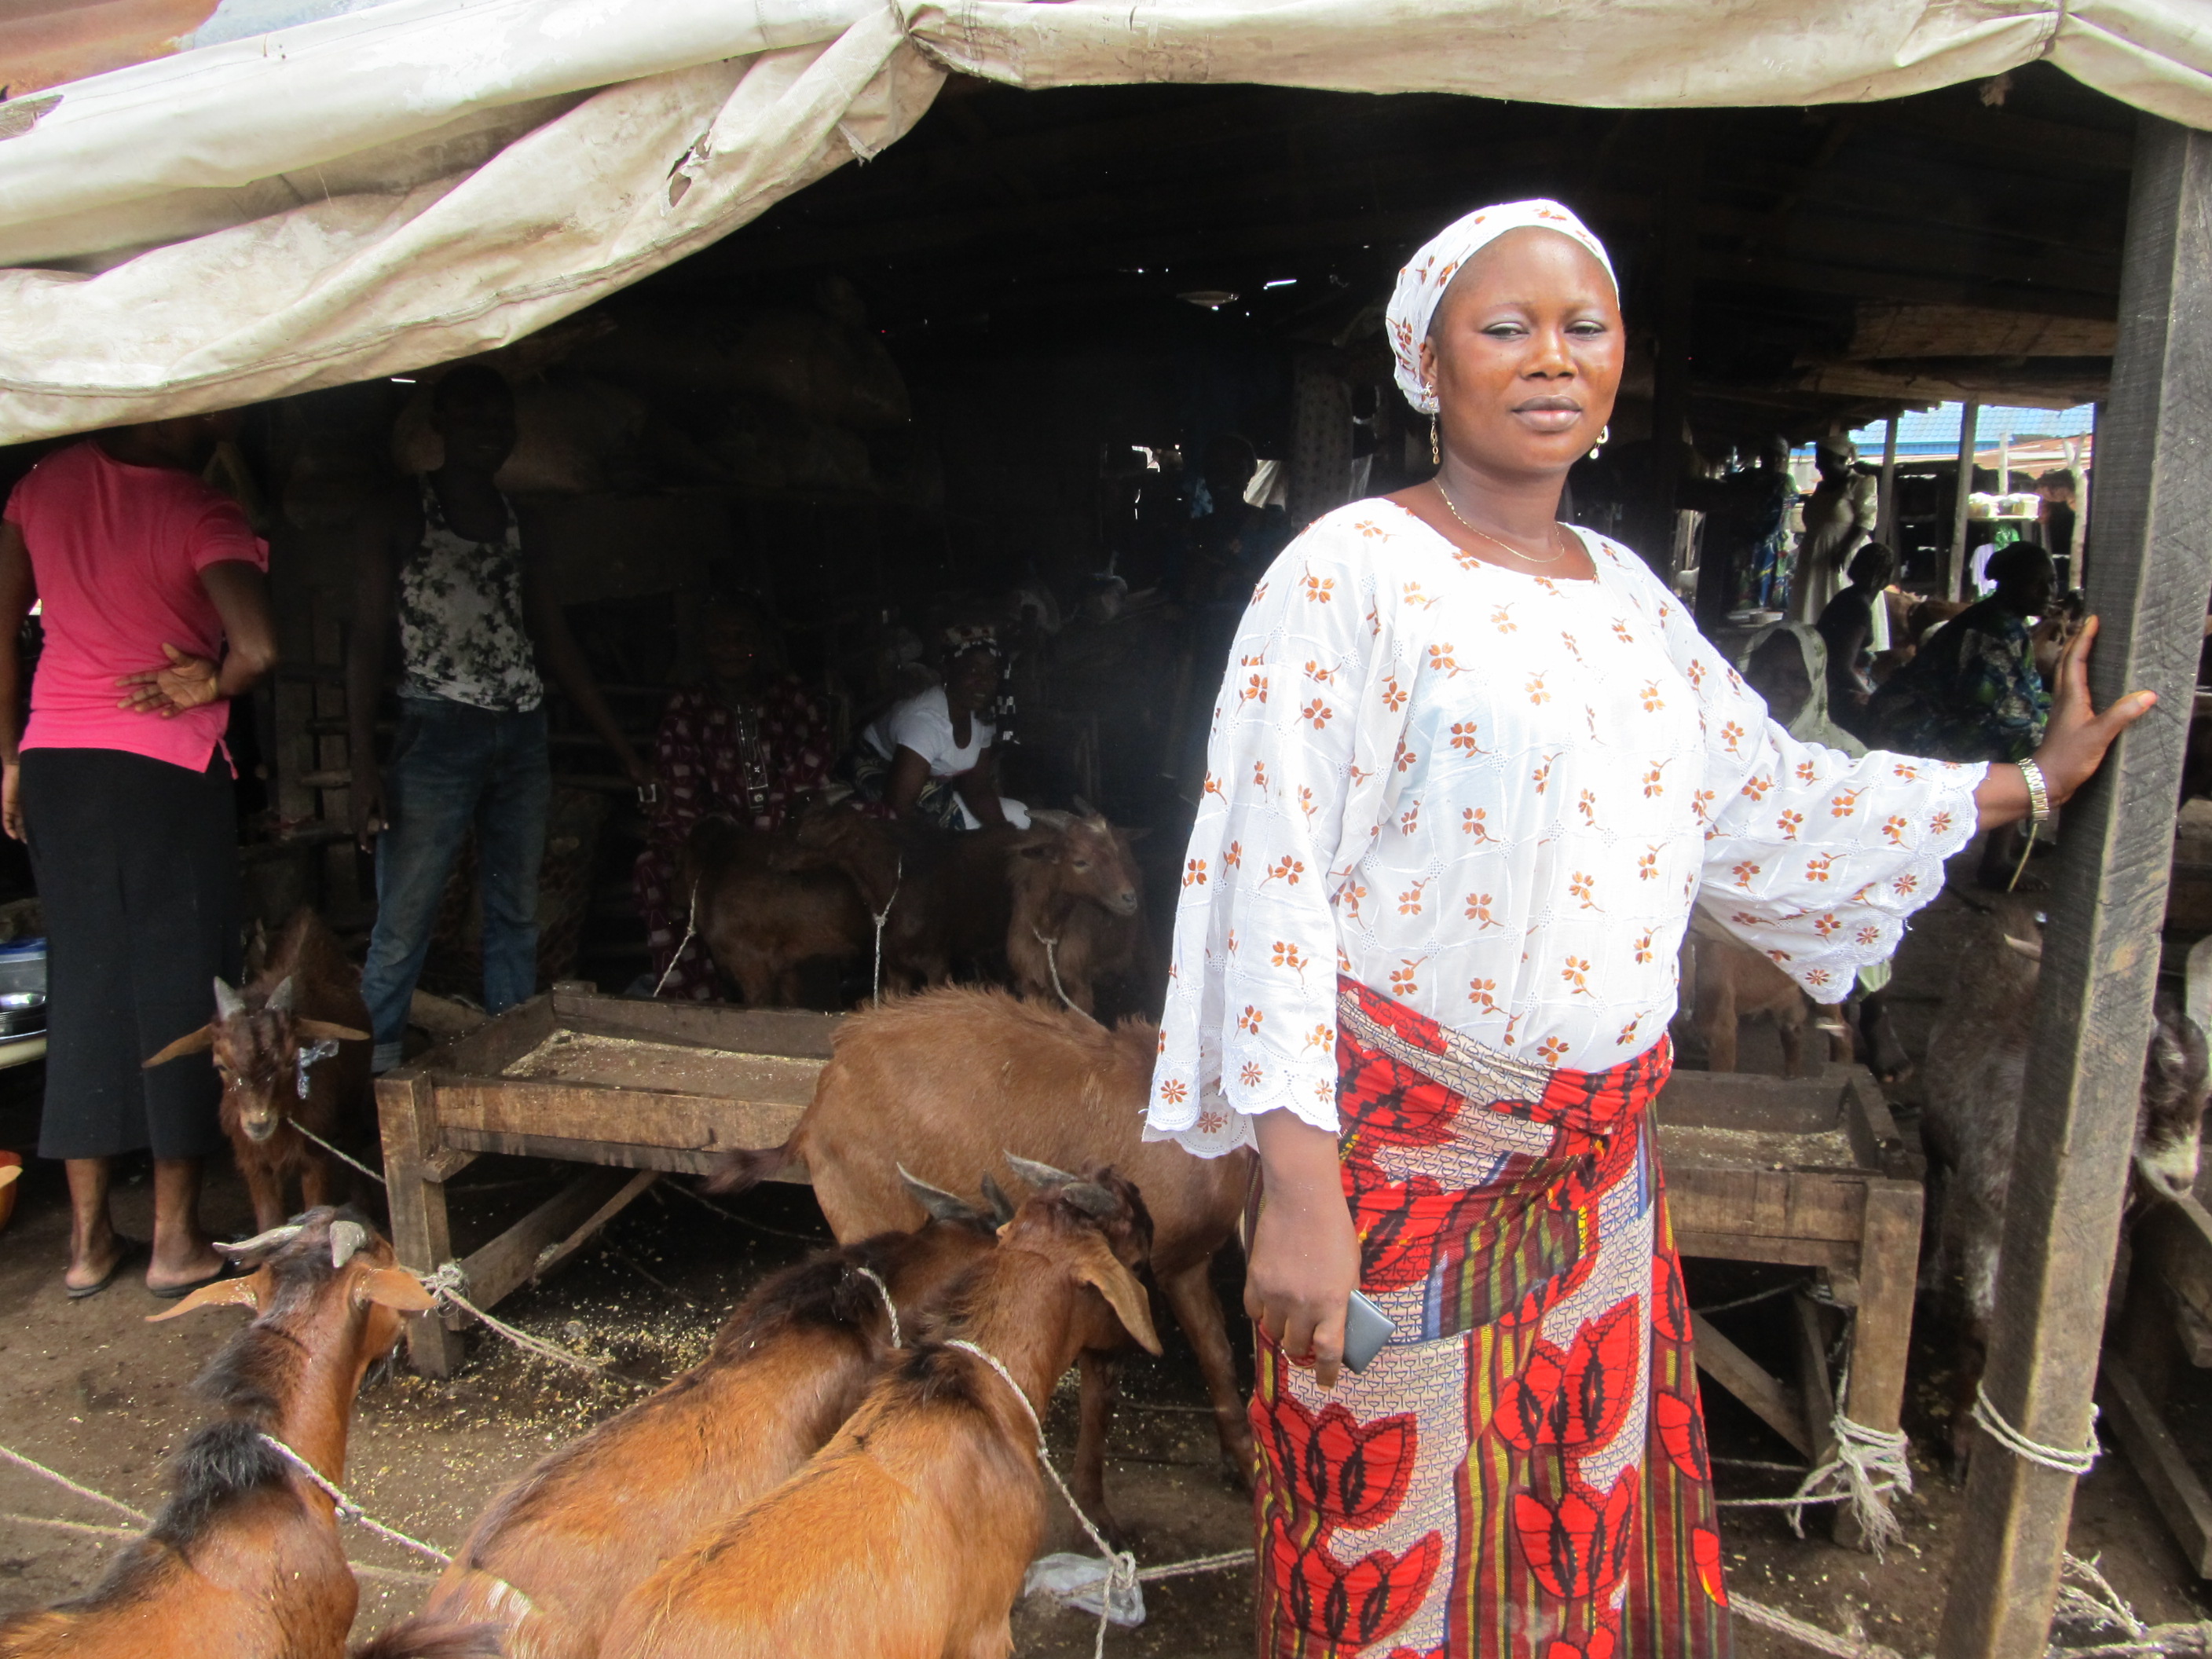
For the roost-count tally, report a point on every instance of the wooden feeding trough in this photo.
(623, 1085)
(1807, 1173)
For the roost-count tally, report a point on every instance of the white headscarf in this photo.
(1422, 284)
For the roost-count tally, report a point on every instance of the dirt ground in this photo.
(92, 1390)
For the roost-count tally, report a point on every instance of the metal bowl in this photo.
(21, 1011)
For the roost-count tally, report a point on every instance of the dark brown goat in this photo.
(942, 1082)
(550, 1558)
(1730, 982)
(309, 994)
(244, 1561)
(759, 918)
(943, 893)
(1975, 1072)
(909, 1532)
(1078, 910)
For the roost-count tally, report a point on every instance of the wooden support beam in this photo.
(1954, 584)
(1885, 515)
(2077, 1114)
(1771, 1401)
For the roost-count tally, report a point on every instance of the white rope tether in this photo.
(1862, 1469)
(1848, 1646)
(338, 1153)
(885, 1292)
(1121, 1565)
(68, 1484)
(349, 1510)
(2057, 1458)
(446, 1285)
(898, 878)
(690, 932)
(1052, 967)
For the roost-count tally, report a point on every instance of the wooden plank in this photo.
(1881, 1330)
(2158, 1461)
(1772, 1402)
(613, 1154)
(2147, 581)
(691, 1123)
(796, 1033)
(407, 1119)
(510, 1261)
(550, 1261)
(1816, 1393)
(1955, 580)
(1760, 1246)
(2173, 1246)
(491, 1048)
(1747, 1101)
(1767, 1203)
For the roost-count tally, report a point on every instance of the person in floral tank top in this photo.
(749, 744)
(1468, 771)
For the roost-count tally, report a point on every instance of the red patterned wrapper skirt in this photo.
(1521, 1473)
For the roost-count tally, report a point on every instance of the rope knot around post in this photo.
(2060, 1459)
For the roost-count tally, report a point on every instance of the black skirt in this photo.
(136, 862)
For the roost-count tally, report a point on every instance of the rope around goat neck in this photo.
(1052, 967)
(349, 1510)
(1993, 1424)
(1121, 1565)
(885, 1292)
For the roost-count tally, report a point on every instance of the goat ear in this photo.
(323, 1027)
(191, 1043)
(286, 994)
(939, 1205)
(11, 1173)
(224, 1293)
(394, 1288)
(1002, 1208)
(1103, 1271)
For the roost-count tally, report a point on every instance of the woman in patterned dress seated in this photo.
(747, 743)
(1469, 770)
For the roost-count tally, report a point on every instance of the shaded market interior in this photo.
(981, 374)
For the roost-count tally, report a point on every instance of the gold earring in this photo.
(1436, 454)
(1604, 435)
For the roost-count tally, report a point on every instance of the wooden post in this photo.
(1670, 386)
(408, 1113)
(2070, 1157)
(1884, 513)
(1969, 413)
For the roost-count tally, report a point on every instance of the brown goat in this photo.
(943, 893)
(308, 994)
(909, 1532)
(940, 1082)
(244, 1561)
(1078, 910)
(1731, 982)
(551, 1558)
(759, 919)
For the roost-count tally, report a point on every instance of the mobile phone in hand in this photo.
(1366, 1328)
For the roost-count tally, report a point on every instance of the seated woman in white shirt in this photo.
(933, 758)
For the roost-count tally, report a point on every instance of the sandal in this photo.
(178, 1292)
(127, 1251)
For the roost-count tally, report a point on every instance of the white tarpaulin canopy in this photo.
(368, 192)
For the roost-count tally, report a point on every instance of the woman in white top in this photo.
(1468, 771)
(933, 758)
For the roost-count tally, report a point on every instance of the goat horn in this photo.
(346, 1237)
(229, 1005)
(268, 1241)
(1037, 1175)
(284, 995)
(2032, 948)
(940, 1205)
(1002, 1208)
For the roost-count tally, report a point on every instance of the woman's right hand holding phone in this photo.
(1304, 1262)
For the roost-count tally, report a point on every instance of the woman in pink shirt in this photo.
(155, 612)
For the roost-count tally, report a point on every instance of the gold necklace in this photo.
(1530, 558)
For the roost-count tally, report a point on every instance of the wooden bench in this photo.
(620, 1085)
(1808, 1173)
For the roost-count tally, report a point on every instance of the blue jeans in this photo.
(455, 765)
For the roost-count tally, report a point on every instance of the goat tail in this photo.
(434, 1635)
(742, 1171)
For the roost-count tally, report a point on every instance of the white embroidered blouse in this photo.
(1495, 797)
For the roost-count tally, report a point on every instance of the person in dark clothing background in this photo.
(1847, 626)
